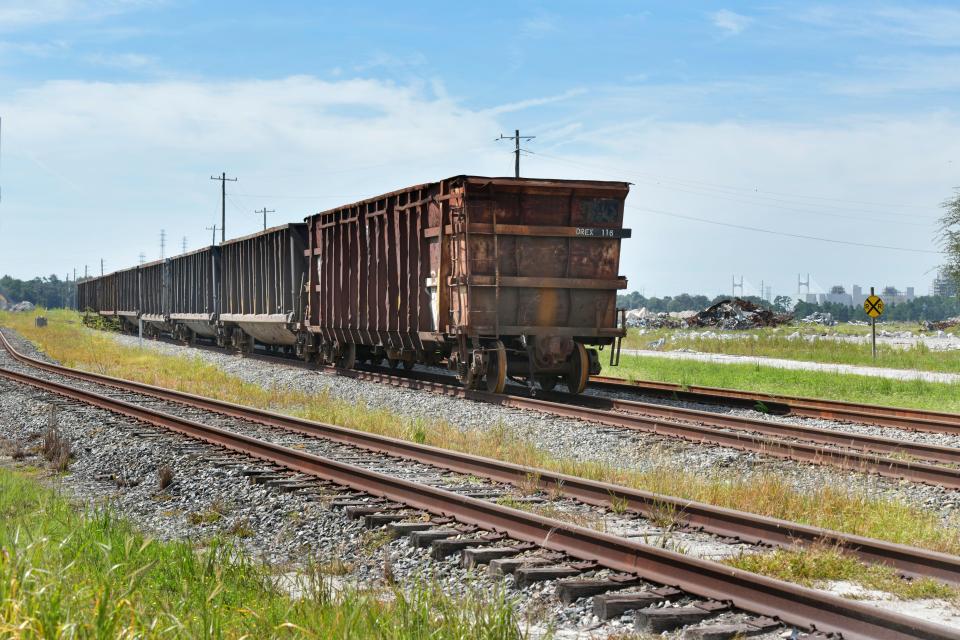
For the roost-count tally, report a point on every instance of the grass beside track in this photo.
(827, 506)
(774, 343)
(65, 573)
(819, 566)
(917, 394)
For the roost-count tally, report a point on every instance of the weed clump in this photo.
(164, 476)
(56, 449)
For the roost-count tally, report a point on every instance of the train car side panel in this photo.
(262, 276)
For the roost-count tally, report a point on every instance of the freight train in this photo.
(494, 278)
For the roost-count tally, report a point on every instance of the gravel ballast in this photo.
(573, 439)
(286, 528)
(117, 461)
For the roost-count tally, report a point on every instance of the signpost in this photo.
(873, 306)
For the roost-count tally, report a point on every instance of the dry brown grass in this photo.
(828, 506)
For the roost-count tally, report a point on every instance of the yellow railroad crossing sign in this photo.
(873, 306)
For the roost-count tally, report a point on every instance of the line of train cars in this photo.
(495, 278)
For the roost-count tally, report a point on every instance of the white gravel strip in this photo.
(783, 363)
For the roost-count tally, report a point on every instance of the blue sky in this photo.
(833, 120)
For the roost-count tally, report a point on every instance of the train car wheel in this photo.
(348, 356)
(496, 377)
(576, 378)
(409, 364)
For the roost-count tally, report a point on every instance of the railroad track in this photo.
(583, 548)
(888, 457)
(916, 462)
(897, 417)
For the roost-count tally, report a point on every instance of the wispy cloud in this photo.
(22, 14)
(125, 61)
(892, 74)
(34, 49)
(534, 102)
(730, 22)
(939, 26)
(540, 25)
(384, 60)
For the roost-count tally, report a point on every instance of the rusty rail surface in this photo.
(897, 417)
(750, 528)
(795, 605)
(864, 462)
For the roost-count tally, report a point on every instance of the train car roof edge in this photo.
(500, 181)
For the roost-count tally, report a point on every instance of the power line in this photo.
(702, 185)
(223, 203)
(781, 233)
(294, 197)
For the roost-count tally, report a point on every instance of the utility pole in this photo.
(143, 257)
(516, 137)
(265, 211)
(85, 276)
(163, 243)
(183, 245)
(223, 203)
(101, 267)
(213, 241)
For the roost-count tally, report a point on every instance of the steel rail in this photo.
(897, 417)
(750, 528)
(866, 443)
(862, 442)
(943, 476)
(793, 604)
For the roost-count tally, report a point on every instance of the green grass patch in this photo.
(69, 574)
(938, 396)
(817, 566)
(767, 494)
(774, 343)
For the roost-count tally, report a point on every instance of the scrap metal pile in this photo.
(726, 314)
(943, 325)
(738, 314)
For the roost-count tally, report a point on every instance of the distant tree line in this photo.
(45, 292)
(932, 308)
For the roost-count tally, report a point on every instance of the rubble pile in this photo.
(942, 325)
(726, 314)
(650, 320)
(820, 317)
(738, 314)
(22, 306)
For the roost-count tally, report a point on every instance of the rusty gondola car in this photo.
(104, 295)
(497, 277)
(193, 295)
(260, 287)
(127, 282)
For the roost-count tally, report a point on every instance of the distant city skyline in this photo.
(760, 139)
